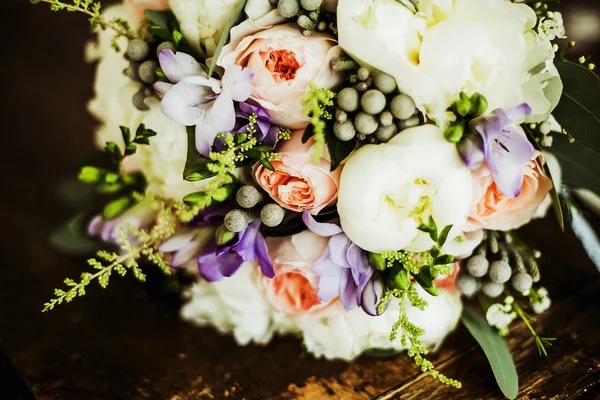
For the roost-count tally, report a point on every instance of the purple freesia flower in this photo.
(213, 215)
(372, 295)
(343, 269)
(266, 132)
(185, 245)
(140, 216)
(196, 99)
(502, 145)
(217, 263)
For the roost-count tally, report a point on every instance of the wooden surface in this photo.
(128, 343)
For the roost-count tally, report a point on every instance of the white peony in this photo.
(388, 190)
(346, 335)
(236, 305)
(449, 46)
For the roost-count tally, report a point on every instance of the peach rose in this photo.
(492, 210)
(294, 288)
(137, 7)
(284, 62)
(297, 184)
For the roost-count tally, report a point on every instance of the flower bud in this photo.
(398, 278)
(372, 295)
(377, 261)
(479, 104)
(464, 106)
(470, 149)
(223, 236)
(454, 133)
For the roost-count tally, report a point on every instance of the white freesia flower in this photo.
(236, 305)
(346, 335)
(388, 190)
(449, 46)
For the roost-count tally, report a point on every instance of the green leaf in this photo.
(495, 349)
(225, 35)
(579, 109)
(160, 33)
(72, 238)
(163, 19)
(113, 149)
(338, 150)
(267, 164)
(195, 164)
(556, 202)
(580, 165)
(444, 235)
(126, 133)
(308, 133)
(116, 207)
(426, 283)
(195, 198)
(444, 260)
(90, 174)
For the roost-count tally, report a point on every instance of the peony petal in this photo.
(178, 66)
(185, 103)
(320, 228)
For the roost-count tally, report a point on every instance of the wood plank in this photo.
(571, 370)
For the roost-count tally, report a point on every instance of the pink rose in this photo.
(284, 62)
(293, 290)
(297, 184)
(492, 210)
(137, 7)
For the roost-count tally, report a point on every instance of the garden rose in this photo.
(485, 46)
(284, 62)
(388, 190)
(293, 290)
(297, 183)
(493, 210)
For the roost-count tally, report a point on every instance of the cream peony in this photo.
(449, 46)
(388, 190)
(348, 334)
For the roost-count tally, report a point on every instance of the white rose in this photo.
(449, 46)
(236, 305)
(388, 190)
(348, 334)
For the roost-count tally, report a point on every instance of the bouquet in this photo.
(351, 172)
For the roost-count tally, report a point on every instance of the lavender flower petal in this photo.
(264, 261)
(178, 66)
(185, 103)
(237, 81)
(320, 228)
(213, 267)
(220, 118)
(371, 296)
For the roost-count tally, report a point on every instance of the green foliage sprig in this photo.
(317, 104)
(540, 342)
(144, 244)
(92, 9)
(410, 334)
(107, 181)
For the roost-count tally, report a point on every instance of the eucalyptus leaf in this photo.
(162, 19)
(556, 201)
(580, 165)
(579, 109)
(72, 238)
(225, 35)
(338, 150)
(495, 349)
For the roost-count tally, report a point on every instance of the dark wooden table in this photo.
(128, 343)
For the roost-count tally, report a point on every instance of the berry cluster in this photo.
(495, 263)
(308, 15)
(142, 67)
(250, 199)
(373, 109)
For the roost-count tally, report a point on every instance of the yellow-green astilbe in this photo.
(145, 246)
(317, 104)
